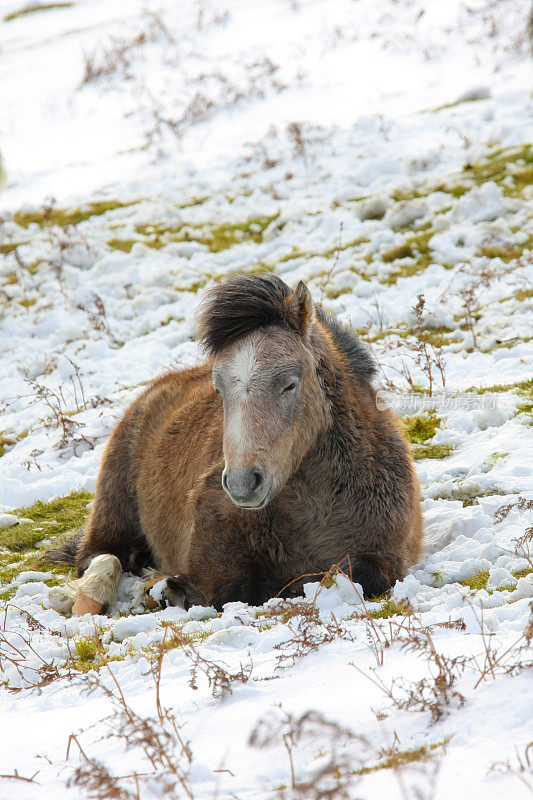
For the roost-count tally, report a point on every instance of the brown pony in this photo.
(267, 462)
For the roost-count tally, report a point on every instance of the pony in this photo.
(267, 462)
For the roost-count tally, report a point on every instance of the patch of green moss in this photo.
(16, 563)
(479, 580)
(216, 238)
(525, 408)
(34, 8)
(458, 103)
(176, 640)
(5, 442)
(522, 386)
(516, 162)
(64, 217)
(7, 574)
(8, 247)
(332, 251)
(421, 427)
(8, 441)
(121, 244)
(432, 451)
(27, 302)
(468, 491)
(401, 251)
(224, 236)
(90, 654)
(415, 247)
(455, 189)
(11, 279)
(49, 520)
(506, 254)
(521, 573)
(391, 609)
(332, 294)
(523, 294)
(473, 499)
(401, 758)
(523, 389)
(86, 649)
(329, 253)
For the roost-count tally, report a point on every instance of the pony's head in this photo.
(258, 332)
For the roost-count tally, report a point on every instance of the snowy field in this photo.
(380, 150)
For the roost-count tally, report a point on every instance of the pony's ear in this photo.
(300, 308)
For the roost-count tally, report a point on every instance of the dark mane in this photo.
(357, 352)
(238, 306)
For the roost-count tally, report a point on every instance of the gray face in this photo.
(260, 382)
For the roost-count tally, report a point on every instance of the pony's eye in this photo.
(290, 387)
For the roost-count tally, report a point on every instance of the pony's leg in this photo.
(113, 529)
(376, 573)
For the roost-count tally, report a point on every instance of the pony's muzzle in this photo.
(247, 488)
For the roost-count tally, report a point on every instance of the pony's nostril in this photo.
(258, 478)
(225, 480)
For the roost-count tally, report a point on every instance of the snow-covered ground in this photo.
(378, 150)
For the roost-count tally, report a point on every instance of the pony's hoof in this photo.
(180, 592)
(86, 605)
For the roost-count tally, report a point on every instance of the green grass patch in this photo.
(506, 254)
(421, 427)
(9, 247)
(523, 387)
(216, 238)
(64, 217)
(459, 103)
(432, 451)
(455, 190)
(121, 244)
(516, 162)
(176, 639)
(415, 247)
(49, 520)
(391, 609)
(438, 338)
(13, 564)
(401, 251)
(401, 758)
(5, 442)
(523, 294)
(90, 653)
(479, 580)
(34, 8)
(86, 651)
(525, 408)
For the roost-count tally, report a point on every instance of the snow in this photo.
(333, 133)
